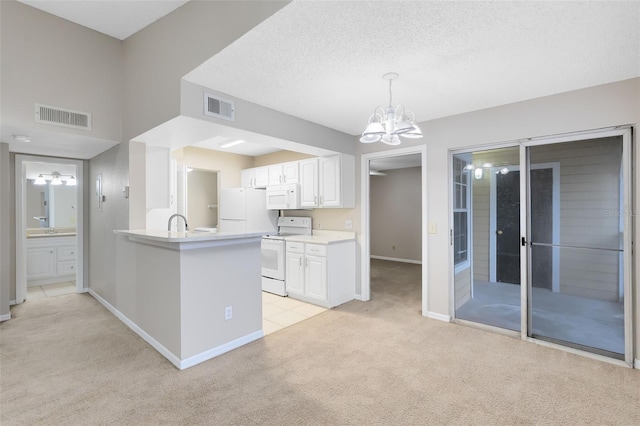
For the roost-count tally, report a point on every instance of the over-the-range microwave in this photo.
(283, 197)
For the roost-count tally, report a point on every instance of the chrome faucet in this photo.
(186, 227)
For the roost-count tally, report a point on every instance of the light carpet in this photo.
(67, 360)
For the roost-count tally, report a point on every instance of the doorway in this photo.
(417, 154)
(559, 241)
(49, 226)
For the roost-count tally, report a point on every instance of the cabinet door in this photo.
(309, 182)
(294, 280)
(275, 174)
(41, 263)
(290, 172)
(330, 181)
(247, 176)
(316, 277)
(262, 177)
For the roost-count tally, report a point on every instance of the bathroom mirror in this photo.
(197, 195)
(50, 206)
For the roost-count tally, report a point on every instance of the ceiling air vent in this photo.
(218, 107)
(56, 116)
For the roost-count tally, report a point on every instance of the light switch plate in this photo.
(433, 228)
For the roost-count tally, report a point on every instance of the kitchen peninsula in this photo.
(192, 296)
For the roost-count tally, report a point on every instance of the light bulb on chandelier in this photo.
(386, 124)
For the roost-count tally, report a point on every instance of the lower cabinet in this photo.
(50, 260)
(321, 274)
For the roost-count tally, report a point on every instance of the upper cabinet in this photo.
(284, 173)
(324, 181)
(256, 177)
(309, 183)
(328, 182)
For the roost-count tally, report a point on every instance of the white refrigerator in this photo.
(245, 210)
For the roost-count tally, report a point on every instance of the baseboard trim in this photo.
(140, 332)
(636, 363)
(7, 317)
(176, 361)
(439, 317)
(12, 302)
(219, 350)
(396, 259)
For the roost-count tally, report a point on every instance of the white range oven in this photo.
(273, 253)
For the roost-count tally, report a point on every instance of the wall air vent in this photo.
(215, 106)
(56, 116)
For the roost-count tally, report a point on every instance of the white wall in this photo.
(5, 232)
(395, 214)
(49, 60)
(156, 58)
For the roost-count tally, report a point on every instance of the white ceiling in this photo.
(323, 60)
(117, 18)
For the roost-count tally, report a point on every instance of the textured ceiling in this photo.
(323, 60)
(117, 18)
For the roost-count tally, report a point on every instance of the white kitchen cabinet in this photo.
(309, 183)
(328, 182)
(283, 173)
(50, 259)
(321, 274)
(255, 177)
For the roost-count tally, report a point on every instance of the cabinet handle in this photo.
(306, 261)
(51, 252)
(321, 199)
(315, 199)
(300, 261)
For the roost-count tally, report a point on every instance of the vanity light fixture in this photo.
(232, 143)
(56, 179)
(385, 124)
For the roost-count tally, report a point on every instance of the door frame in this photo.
(627, 155)
(555, 207)
(365, 234)
(20, 200)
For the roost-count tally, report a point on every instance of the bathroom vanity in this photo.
(193, 295)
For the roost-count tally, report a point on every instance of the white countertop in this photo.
(185, 237)
(323, 237)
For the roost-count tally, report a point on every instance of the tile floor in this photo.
(277, 312)
(280, 312)
(51, 290)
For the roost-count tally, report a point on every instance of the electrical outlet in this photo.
(348, 224)
(228, 312)
(393, 247)
(319, 225)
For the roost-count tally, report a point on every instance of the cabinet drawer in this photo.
(67, 268)
(316, 249)
(66, 253)
(294, 247)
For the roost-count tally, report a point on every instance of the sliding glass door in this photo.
(486, 237)
(541, 240)
(576, 230)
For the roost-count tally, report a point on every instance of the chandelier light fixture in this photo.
(56, 179)
(386, 124)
